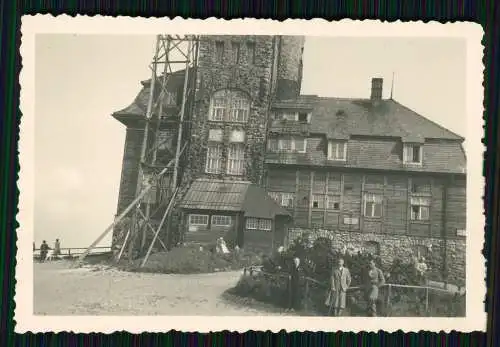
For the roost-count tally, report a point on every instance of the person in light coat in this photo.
(340, 282)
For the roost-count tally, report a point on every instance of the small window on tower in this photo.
(235, 46)
(219, 51)
(251, 52)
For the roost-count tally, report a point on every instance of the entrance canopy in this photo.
(235, 196)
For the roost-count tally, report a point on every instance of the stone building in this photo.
(368, 173)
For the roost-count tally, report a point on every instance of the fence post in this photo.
(306, 296)
(426, 299)
(388, 295)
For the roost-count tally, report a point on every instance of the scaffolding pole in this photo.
(172, 51)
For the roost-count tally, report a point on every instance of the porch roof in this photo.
(234, 196)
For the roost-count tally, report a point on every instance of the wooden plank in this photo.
(325, 215)
(296, 200)
(384, 204)
(362, 214)
(431, 207)
(408, 206)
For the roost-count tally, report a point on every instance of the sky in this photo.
(80, 80)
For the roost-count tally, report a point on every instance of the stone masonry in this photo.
(400, 246)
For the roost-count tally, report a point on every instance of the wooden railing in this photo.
(251, 270)
(69, 252)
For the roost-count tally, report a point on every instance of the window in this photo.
(318, 201)
(235, 48)
(214, 156)
(272, 145)
(275, 196)
(297, 144)
(251, 52)
(333, 202)
(420, 208)
(287, 116)
(198, 219)
(373, 205)
(229, 105)
(259, 224)
(221, 221)
(219, 51)
(303, 117)
(287, 199)
(236, 159)
(218, 109)
(300, 145)
(337, 150)
(239, 110)
(412, 154)
(285, 145)
(420, 187)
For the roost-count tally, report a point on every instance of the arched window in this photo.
(229, 106)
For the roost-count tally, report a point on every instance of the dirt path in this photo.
(61, 290)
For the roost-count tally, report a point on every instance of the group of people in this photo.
(44, 249)
(340, 281)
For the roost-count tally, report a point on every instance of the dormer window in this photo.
(288, 144)
(337, 150)
(303, 117)
(287, 116)
(412, 154)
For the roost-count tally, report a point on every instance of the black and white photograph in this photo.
(317, 176)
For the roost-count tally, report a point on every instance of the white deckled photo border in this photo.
(475, 319)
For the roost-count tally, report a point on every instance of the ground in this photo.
(60, 289)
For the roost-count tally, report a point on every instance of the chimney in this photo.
(377, 84)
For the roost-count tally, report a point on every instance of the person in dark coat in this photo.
(295, 297)
(44, 249)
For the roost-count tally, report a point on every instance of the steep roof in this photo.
(234, 196)
(338, 117)
(139, 106)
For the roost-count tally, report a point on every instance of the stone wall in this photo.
(441, 255)
(252, 78)
(290, 67)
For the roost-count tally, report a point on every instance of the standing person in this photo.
(340, 282)
(294, 291)
(57, 248)
(375, 281)
(44, 249)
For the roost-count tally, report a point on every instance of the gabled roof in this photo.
(234, 196)
(340, 118)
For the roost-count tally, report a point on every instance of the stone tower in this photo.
(238, 77)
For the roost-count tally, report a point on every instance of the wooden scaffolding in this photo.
(157, 185)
